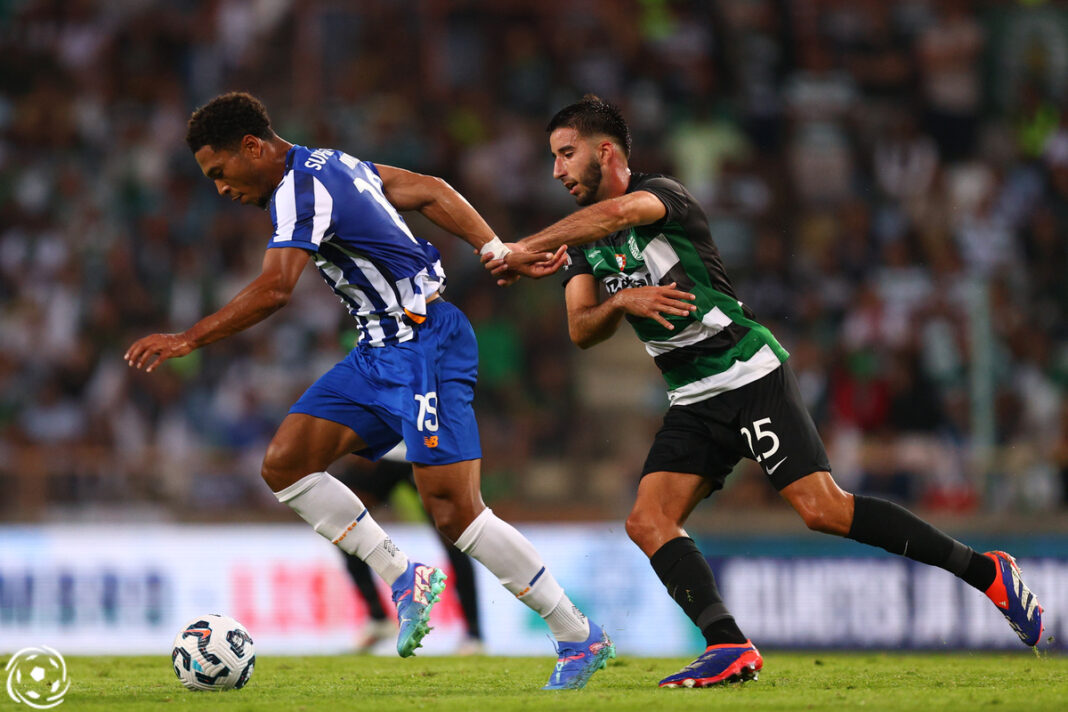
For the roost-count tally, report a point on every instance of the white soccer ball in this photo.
(213, 652)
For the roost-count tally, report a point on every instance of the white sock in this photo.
(508, 555)
(337, 513)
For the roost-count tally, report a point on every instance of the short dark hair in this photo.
(593, 116)
(225, 120)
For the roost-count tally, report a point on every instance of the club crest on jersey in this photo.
(621, 261)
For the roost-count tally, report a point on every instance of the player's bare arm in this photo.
(590, 224)
(590, 320)
(443, 205)
(265, 295)
(436, 200)
(598, 221)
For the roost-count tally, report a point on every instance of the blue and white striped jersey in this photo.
(332, 205)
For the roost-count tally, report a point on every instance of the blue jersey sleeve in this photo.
(301, 211)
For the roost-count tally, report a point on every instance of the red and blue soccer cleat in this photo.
(1015, 601)
(578, 661)
(719, 664)
(415, 592)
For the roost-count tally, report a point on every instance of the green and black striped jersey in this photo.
(719, 346)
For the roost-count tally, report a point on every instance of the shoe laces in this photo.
(563, 652)
(708, 655)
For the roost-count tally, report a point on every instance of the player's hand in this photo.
(148, 353)
(500, 270)
(653, 302)
(520, 263)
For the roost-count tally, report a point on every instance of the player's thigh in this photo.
(664, 502)
(670, 496)
(304, 444)
(357, 394)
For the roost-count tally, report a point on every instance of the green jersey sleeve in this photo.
(671, 193)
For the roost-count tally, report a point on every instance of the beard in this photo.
(591, 180)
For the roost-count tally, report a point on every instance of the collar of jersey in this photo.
(290, 155)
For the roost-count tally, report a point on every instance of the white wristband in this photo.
(495, 247)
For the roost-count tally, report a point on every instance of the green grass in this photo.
(801, 681)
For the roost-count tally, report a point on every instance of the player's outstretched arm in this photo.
(282, 267)
(443, 205)
(587, 225)
(598, 221)
(438, 201)
(591, 321)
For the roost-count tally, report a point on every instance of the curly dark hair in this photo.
(593, 116)
(225, 120)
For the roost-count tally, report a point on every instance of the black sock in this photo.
(884, 524)
(689, 581)
(981, 572)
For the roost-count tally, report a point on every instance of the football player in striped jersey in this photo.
(731, 390)
(410, 377)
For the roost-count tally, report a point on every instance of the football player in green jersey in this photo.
(731, 390)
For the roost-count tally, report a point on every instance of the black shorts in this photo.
(765, 420)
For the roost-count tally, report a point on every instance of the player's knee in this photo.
(641, 528)
(451, 527)
(277, 469)
(449, 519)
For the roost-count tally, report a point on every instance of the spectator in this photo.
(862, 234)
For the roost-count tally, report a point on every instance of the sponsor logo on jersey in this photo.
(632, 244)
(430, 440)
(617, 281)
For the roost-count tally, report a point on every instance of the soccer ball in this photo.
(213, 652)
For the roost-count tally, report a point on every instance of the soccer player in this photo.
(374, 487)
(410, 376)
(731, 390)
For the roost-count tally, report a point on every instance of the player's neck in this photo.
(615, 182)
(275, 151)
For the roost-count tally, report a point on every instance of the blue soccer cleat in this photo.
(1015, 601)
(578, 661)
(415, 592)
(719, 664)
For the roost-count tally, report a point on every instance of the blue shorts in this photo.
(419, 391)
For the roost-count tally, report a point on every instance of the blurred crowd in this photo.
(887, 183)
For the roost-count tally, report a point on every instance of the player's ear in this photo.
(252, 146)
(605, 151)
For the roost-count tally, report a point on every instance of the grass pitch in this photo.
(801, 681)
